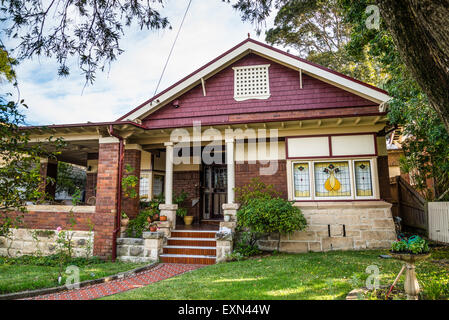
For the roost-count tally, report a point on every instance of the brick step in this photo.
(196, 242)
(193, 233)
(187, 258)
(190, 250)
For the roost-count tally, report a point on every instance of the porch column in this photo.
(48, 169)
(168, 208)
(169, 173)
(106, 202)
(230, 208)
(231, 169)
(133, 155)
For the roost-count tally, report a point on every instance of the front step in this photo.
(206, 251)
(187, 259)
(190, 247)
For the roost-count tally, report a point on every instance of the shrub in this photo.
(256, 189)
(270, 215)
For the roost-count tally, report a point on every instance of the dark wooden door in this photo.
(214, 191)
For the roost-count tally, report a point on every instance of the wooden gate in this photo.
(439, 221)
(409, 205)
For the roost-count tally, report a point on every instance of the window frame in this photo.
(351, 164)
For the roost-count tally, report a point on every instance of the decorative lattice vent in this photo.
(251, 82)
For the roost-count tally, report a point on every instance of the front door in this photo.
(214, 191)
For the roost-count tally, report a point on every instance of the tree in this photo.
(88, 30)
(420, 30)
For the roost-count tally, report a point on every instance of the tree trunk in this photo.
(420, 29)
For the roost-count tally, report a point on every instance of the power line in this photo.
(173, 46)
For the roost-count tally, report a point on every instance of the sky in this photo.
(211, 27)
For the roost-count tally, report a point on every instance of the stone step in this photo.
(197, 242)
(187, 258)
(193, 233)
(130, 241)
(135, 259)
(190, 250)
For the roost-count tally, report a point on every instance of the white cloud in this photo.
(210, 28)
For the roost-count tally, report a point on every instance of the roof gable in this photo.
(219, 106)
(307, 68)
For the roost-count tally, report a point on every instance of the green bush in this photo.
(51, 261)
(256, 189)
(269, 215)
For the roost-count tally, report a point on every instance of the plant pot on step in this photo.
(188, 220)
(163, 218)
(153, 228)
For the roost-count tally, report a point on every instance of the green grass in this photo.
(20, 277)
(328, 275)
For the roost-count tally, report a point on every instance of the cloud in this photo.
(210, 28)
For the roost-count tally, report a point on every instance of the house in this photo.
(255, 111)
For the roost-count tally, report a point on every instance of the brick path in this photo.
(158, 273)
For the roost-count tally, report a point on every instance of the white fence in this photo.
(439, 221)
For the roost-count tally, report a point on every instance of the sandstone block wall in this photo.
(338, 226)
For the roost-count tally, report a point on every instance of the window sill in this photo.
(343, 204)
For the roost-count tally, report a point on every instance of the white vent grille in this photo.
(251, 82)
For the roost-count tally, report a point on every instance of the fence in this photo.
(439, 221)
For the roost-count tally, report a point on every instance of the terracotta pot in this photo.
(149, 220)
(124, 222)
(188, 220)
(163, 218)
(153, 229)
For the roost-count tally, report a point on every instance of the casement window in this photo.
(333, 179)
(251, 82)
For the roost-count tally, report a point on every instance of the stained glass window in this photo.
(332, 179)
(301, 180)
(363, 179)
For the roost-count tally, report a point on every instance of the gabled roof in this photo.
(340, 80)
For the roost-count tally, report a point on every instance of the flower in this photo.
(58, 229)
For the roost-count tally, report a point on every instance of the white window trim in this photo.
(311, 162)
(248, 97)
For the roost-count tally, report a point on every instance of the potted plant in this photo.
(124, 220)
(410, 251)
(153, 227)
(163, 218)
(182, 212)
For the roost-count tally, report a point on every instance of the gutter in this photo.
(121, 153)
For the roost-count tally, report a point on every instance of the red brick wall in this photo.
(107, 178)
(219, 105)
(129, 205)
(189, 181)
(53, 220)
(244, 172)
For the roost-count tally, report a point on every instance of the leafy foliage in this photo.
(129, 183)
(69, 178)
(138, 225)
(256, 189)
(271, 215)
(179, 199)
(88, 30)
(414, 244)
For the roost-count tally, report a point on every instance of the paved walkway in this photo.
(160, 272)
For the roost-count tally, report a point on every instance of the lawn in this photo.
(330, 275)
(16, 277)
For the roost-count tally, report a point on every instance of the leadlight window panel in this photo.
(363, 180)
(251, 82)
(332, 179)
(158, 185)
(301, 177)
(144, 186)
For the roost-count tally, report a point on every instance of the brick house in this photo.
(254, 111)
